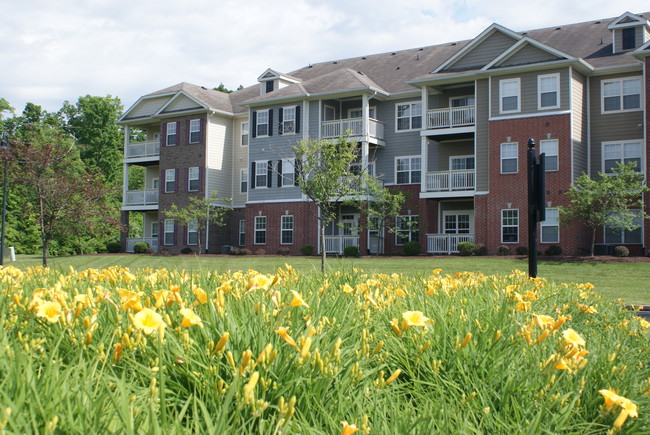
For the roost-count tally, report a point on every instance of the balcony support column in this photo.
(424, 168)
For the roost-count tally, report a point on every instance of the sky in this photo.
(53, 51)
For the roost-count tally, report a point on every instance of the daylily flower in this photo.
(148, 321)
(572, 338)
(190, 318)
(348, 429)
(282, 332)
(297, 300)
(414, 318)
(50, 311)
(544, 322)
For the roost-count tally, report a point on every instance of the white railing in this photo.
(446, 243)
(152, 241)
(141, 197)
(451, 181)
(337, 128)
(336, 244)
(451, 117)
(143, 149)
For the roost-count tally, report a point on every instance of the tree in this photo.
(199, 213)
(381, 207)
(609, 200)
(5, 107)
(323, 174)
(222, 88)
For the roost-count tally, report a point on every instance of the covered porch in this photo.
(455, 225)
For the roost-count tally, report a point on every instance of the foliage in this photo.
(240, 251)
(522, 250)
(503, 250)
(307, 249)
(380, 205)
(243, 352)
(466, 248)
(113, 247)
(351, 251)
(260, 251)
(142, 248)
(412, 248)
(608, 200)
(283, 251)
(222, 88)
(481, 249)
(621, 251)
(186, 250)
(553, 250)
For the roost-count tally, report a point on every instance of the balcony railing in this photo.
(337, 128)
(336, 244)
(143, 149)
(141, 197)
(451, 181)
(446, 243)
(449, 117)
(152, 241)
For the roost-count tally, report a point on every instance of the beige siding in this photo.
(442, 100)
(579, 124)
(219, 156)
(528, 54)
(639, 36)
(485, 52)
(611, 126)
(181, 103)
(148, 107)
(240, 162)
(439, 153)
(481, 135)
(528, 91)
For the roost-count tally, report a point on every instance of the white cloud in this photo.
(51, 53)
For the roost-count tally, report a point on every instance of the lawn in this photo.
(627, 281)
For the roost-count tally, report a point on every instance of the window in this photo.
(242, 232)
(461, 163)
(195, 130)
(193, 180)
(621, 152)
(509, 91)
(244, 134)
(408, 170)
(155, 183)
(288, 116)
(243, 181)
(358, 113)
(409, 116)
(549, 147)
(168, 238)
(261, 174)
(286, 230)
(464, 101)
(620, 95)
(635, 236)
(286, 172)
(509, 225)
(457, 222)
(550, 228)
(170, 180)
(171, 133)
(548, 91)
(406, 229)
(269, 86)
(629, 38)
(509, 158)
(155, 229)
(193, 232)
(262, 125)
(260, 230)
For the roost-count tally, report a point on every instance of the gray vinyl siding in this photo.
(481, 135)
(274, 148)
(611, 126)
(528, 92)
(440, 101)
(439, 153)
(527, 55)
(240, 162)
(219, 156)
(485, 52)
(579, 124)
(314, 120)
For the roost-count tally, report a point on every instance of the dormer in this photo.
(629, 31)
(271, 80)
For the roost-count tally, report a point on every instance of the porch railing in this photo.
(446, 243)
(449, 117)
(141, 197)
(337, 128)
(143, 149)
(336, 244)
(450, 181)
(152, 241)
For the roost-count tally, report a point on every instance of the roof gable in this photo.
(628, 19)
(181, 102)
(145, 107)
(527, 51)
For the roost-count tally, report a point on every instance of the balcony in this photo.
(337, 128)
(139, 150)
(446, 243)
(451, 181)
(141, 198)
(336, 244)
(152, 241)
(451, 117)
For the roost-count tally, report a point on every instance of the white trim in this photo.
(255, 230)
(176, 136)
(622, 153)
(621, 96)
(444, 213)
(540, 77)
(276, 201)
(637, 21)
(410, 117)
(516, 157)
(509, 226)
(410, 170)
(557, 153)
(165, 232)
(258, 123)
(266, 174)
(530, 115)
(542, 225)
(241, 133)
(282, 230)
(502, 83)
(519, 45)
(243, 177)
(171, 171)
(196, 230)
(172, 99)
(195, 122)
(189, 178)
(290, 163)
(284, 111)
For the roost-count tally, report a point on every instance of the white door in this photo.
(458, 222)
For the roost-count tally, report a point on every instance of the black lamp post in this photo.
(536, 202)
(4, 146)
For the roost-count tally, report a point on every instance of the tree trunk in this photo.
(43, 236)
(593, 240)
(322, 247)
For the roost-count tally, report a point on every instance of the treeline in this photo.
(64, 176)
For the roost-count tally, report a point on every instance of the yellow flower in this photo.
(437, 271)
(394, 376)
(259, 281)
(414, 318)
(561, 365)
(544, 322)
(282, 332)
(297, 300)
(50, 311)
(466, 340)
(201, 296)
(394, 323)
(190, 318)
(572, 338)
(148, 321)
(523, 306)
(348, 429)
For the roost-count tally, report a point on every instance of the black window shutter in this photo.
(279, 173)
(186, 178)
(163, 135)
(296, 171)
(187, 131)
(269, 180)
(161, 183)
(254, 124)
(202, 134)
(201, 179)
(270, 122)
(253, 175)
(280, 119)
(297, 119)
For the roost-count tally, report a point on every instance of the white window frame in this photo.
(288, 167)
(410, 169)
(169, 134)
(193, 231)
(289, 120)
(170, 179)
(260, 228)
(505, 219)
(261, 165)
(552, 221)
(556, 90)
(286, 227)
(193, 175)
(620, 93)
(464, 159)
(414, 110)
(244, 137)
(372, 112)
(503, 157)
(622, 157)
(410, 232)
(168, 231)
(155, 183)
(242, 232)
(467, 100)
(195, 130)
(624, 233)
(550, 147)
(155, 230)
(258, 122)
(502, 94)
(243, 181)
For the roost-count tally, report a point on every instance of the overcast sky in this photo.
(57, 50)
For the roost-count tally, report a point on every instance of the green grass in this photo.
(626, 281)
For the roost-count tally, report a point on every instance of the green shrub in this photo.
(503, 250)
(141, 248)
(522, 250)
(240, 251)
(466, 248)
(621, 251)
(481, 249)
(412, 248)
(307, 249)
(283, 251)
(553, 250)
(351, 251)
(113, 247)
(260, 251)
(186, 250)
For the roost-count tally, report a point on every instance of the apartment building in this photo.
(447, 124)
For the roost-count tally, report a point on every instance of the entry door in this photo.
(458, 222)
(350, 224)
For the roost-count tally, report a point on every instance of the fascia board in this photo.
(178, 94)
(520, 45)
